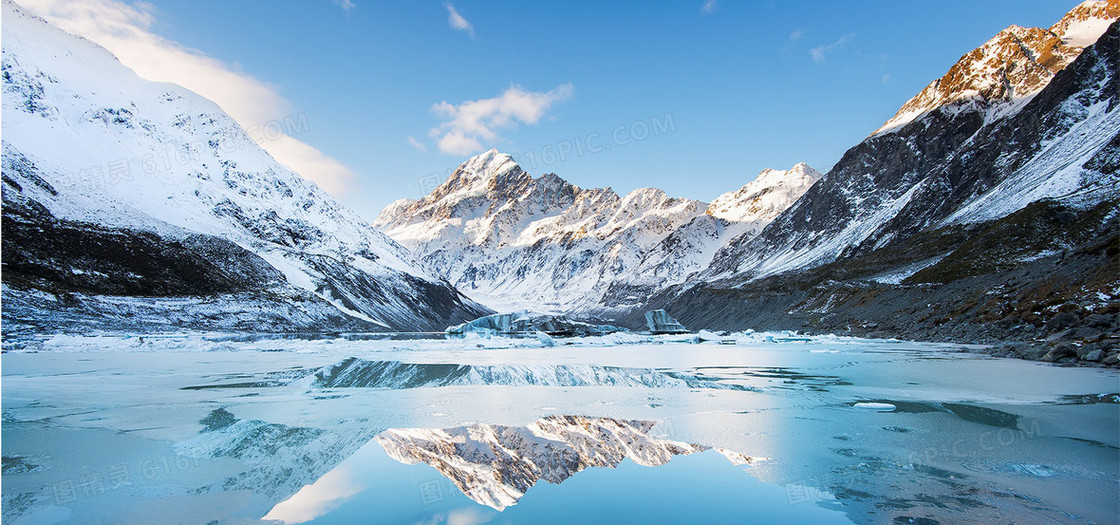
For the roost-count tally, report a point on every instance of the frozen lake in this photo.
(373, 429)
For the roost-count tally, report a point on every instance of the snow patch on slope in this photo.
(1055, 172)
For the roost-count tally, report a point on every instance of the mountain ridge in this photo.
(490, 224)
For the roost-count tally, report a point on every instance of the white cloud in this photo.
(457, 21)
(886, 78)
(796, 35)
(346, 5)
(417, 144)
(125, 30)
(470, 123)
(819, 53)
(709, 7)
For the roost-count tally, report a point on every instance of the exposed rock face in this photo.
(507, 238)
(495, 465)
(139, 205)
(684, 253)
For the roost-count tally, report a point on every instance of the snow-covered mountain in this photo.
(945, 164)
(495, 465)
(130, 201)
(976, 194)
(511, 240)
(1000, 76)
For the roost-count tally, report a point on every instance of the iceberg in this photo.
(489, 325)
(659, 322)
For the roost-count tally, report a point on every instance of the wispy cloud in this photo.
(470, 123)
(419, 146)
(457, 21)
(709, 7)
(346, 5)
(796, 35)
(125, 30)
(821, 52)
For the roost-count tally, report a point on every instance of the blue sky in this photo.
(723, 91)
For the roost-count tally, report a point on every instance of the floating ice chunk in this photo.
(708, 335)
(878, 407)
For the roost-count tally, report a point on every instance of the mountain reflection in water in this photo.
(495, 465)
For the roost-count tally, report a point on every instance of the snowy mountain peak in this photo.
(1004, 73)
(645, 198)
(768, 195)
(488, 173)
(488, 165)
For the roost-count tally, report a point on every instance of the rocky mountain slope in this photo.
(510, 240)
(141, 205)
(984, 217)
